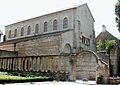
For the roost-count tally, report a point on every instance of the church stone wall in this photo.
(66, 38)
(80, 21)
(59, 16)
(50, 44)
(42, 46)
(8, 47)
(84, 26)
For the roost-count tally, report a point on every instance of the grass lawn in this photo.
(9, 78)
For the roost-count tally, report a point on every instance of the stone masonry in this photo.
(64, 49)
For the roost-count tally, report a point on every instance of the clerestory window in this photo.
(22, 31)
(36, 28)
(9, 34)
(15, 33)
(29, 30)
(55, 25)
(65, 23)
(45, 26)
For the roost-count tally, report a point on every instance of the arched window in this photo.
(55, 25)
(65, 22)
(15, 33)
(9, 34)
(36, 28)
(29, 30)
(22, 31)
(45, 26)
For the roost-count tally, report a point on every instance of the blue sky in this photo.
(12, 11)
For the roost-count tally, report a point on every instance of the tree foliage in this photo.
(100, 46)
(110, 44)
(107, 46)
(117, 12)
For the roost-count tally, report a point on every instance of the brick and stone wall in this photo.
(42, 46)
(80, 21)
(57, 66)
(103, 71)
(8, 47)
(40, 63)
(36, 46)
(86, 64)
(76, 66)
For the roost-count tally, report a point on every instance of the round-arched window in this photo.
(65, 23)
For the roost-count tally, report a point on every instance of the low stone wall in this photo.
(86, 64)
(38, 63)
(62, 67)
(54, 65)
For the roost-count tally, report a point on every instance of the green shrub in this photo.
(100, 80)
(8, 78)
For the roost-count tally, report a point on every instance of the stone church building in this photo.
(62, 42)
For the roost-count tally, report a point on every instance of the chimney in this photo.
(103, 28)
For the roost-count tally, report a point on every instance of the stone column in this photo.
(72, 68)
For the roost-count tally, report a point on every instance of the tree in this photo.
(100, 46)
(106, 46)
(110, 44)
(117, 12)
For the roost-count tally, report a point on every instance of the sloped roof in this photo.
(106, 36)
(103, 57)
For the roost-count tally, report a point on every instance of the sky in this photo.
(103, 11)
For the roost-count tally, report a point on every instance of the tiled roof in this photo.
(103, 57)
(106, 35)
